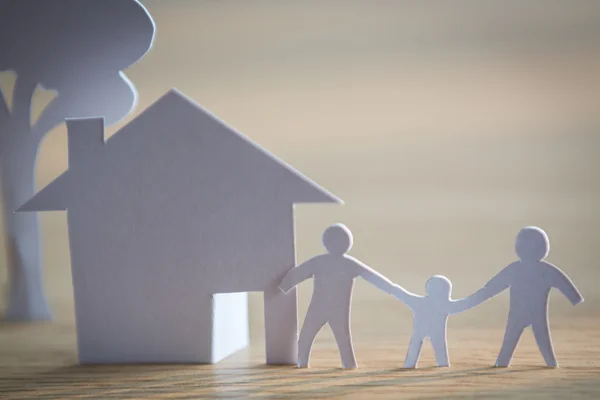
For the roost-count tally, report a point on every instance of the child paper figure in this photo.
(530, 280)
(334, 274)
(430, 314)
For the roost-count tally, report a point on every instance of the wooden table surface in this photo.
(38, 362)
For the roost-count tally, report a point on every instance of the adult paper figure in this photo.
(334, 274)
(530, 280)
(430, 314)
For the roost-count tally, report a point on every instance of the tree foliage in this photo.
(78, 48)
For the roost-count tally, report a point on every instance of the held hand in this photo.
(482, 295)
(469, 302)
(478, 297)
(402, 294)
(578, 300)
(297, 274)
(285, 285)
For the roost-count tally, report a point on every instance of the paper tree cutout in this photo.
(530, 280)
(334, 274)
(171, 221)
(78, 49)
(430, 316)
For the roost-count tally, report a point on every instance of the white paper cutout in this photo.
(172, 209)
(430, 316)
(334, 273)
(77, 48)
(530, 280)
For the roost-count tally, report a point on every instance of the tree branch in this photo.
(22, 99)
(4, 116)
(4, 112)
(18, 126)
(53, 115)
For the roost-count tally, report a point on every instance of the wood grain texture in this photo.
(38, 362)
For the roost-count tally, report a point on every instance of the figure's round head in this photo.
(532, 244)
(438, 286)
(337, 239)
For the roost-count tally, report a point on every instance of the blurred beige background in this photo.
(444, 126)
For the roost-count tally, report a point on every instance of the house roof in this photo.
(175, 111)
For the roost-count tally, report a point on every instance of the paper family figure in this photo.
(430, 316)
(334, 273)
(530, 280)
(78, 49)
(172, 220)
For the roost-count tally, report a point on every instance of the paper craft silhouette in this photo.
(171, 221)
(430, 315)
(334, 274)
(77, 48)
(530, 280)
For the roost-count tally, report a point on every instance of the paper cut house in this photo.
(171, 221)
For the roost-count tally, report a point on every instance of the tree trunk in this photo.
(26, 297)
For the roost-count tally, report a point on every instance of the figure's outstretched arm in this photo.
(383, 283)
(405, 296)
(471, 301)
(561, 281)
(372, 276)
(495, 285)
(498, 283)
(297, 274)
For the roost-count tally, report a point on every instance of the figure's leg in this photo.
(541, 331)
(513, 333)
(341, 331)
(313, 323)
(440, 348)
(414, 349)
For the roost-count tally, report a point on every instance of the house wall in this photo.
(128, 312)
(144, 280)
